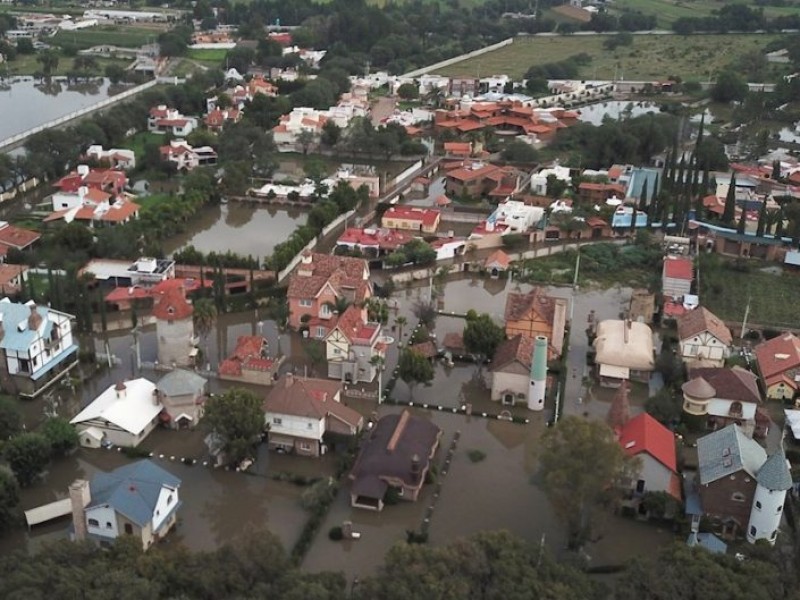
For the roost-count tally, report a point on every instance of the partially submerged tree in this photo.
(238, 419)
(414, 368)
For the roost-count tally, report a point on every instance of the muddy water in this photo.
(242, 228)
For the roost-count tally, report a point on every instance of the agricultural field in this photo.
(668, 11)
(114, 35)
(650, 57)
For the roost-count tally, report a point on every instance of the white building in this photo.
(517, 216)
(146, 271)
(704, 337)
(117, 158)
(123, 415)
(36, 347)
(350, 346)
(186, 157)
(168, 120)
(302, 119)
(539, 180)
(175, 327)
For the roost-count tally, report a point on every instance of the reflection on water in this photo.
(242, 228)
(25, 103)
(615, 109)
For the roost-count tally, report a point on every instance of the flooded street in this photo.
(615, 109)
(242, 228)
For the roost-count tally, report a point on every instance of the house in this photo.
(144, 272)
(590, 193)
(12, 278)
(36, 347)
(510, 370)
(318, 283)
(536, 313)
(654, 446)
(516, 216)
(458, 149)
(110, 181)
(300, 413)
(413, 218)
(186, 157)
(703, 337)
(476, 179)
(175, 327)
(779, 365)
(496, 263)
(350, 346)
(250, 362)
(373, 242)
(168, 120)
(116, 158)
(216, 119)
(724, 396)
(16, 238)
(623, 351)
(182, 393)
(449, 247)
(676, 276)
(396, 456)
(123, 415)
(742, 489)
(139, 499)
(95, 209)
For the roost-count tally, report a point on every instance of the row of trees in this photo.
(735, 17)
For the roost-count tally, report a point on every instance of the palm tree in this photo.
(400, 321)
(205, 317)
(378, 362)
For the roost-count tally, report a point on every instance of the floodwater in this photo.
(616, 109)
(25, 103)
(242, 228)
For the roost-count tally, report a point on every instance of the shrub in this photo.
(476, 456)
(134, 452)
(416, 537)
(392, 496)
(335, 533)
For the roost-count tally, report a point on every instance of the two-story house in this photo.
(414, 218)
(677, 275)
(301, 414)
(536, 313)
(36, 347)
(139, 499)
(779, 365)
(319, 284)
(163, 119)
(350, 346)
(703, 337)
(511, 367)
(186, 157)
(182, 393)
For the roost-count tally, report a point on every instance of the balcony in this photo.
(695, 407)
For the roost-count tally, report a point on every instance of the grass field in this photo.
(129, 37)
(668, 11)
(207, 55)
(26, 64)
(650, 56)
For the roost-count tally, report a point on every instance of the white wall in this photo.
(103, 514)
(303, 427)
(504, 382)
(167, 499)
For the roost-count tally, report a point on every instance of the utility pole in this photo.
(575, 285)
(746, 314)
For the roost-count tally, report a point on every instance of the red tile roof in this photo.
(778, 355)
(172, 305)
(458, 148)
(16, 237)
(341, 272)
(354, 326)
(468, 174)
(428, 217)
(10, 272)
(499, 259)
(678, 268)
(701, 319)
(385, 239)
(518, 348)
(644, 434)
(248, 356)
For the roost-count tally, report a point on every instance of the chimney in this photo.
(415, 467)
(121, 390)
(35, 319)
(155, 398)
(79, 498)
(625, 328)
(289, 380)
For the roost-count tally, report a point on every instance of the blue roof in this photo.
(132, 490)
(13, 315)
(708, 541)
(640, 178)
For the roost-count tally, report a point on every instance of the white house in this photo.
(518, 216)
(187, 157)
(704, 337)
(539, 180)
(139, 499)
(351, 344)
(36, 346)
(511, 370)
(117, 158)
(123, 415)
(168, 120)
(300, 412)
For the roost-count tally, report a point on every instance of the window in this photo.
(305, 302)
(108, 525)
(752, 530)
(774, 535)
(325, 311)
(337, 351)
(169, 499)
(310, 425)
(758, 505)
(305, 446)
(779, 509)
(277, 420)
(128, 528)
(738, 497)
(94, 523)
(320, 332)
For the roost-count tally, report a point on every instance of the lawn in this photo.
(26, 64)
(138, 142)
(148, 202)
(726, 289)
(129, 37)
(650, 57)
(213, 55)
(668, 11)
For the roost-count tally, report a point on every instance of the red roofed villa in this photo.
(412, 218)
(250, 362)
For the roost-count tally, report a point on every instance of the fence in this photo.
(404, 174)
(455, 59)
(20, 137)
(23, 187)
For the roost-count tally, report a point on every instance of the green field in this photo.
(210, 55)
(651, 57)
(668, 11)
(26, 64)
(129, 37)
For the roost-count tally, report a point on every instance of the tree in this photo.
(729, 213)
(115, 73)
(306, 138)
(204, 318)
(315, 351)
(581, 468)
(729, 87)
(61, 435)
(27, 454)
(331, 134)
(414, 368)
(401, 322)
(740, 228)
(664, 406)
(10, 418)
(236, 416)
(49, 61)
(408, 91)
(517, 151)
(9, 499)
(762, 220)
(482, 336)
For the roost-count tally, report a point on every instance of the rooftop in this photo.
(130, 408)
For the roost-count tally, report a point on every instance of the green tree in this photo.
(61, 435)
(408, 91)
(10, 418)
(236, 416)
(115, 73)
(414, 368)
(664, 406)
(400, 321)
(729, 213)
(518, 151)
(49, 60)
(740, 228)
(331, 134)
(204, 318)
(482, 336)
(581, 468)
(729, 87)
(9, 499)
(27, 454)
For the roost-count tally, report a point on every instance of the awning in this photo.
(48, 512)
(615, 372)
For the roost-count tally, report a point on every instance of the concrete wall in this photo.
(456, 59)
(174, 341)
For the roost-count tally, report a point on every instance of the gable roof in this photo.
(519, 306)
(729, 384)
(498, 259)
(644, 434)
(132, 411)
(132, 490)
(315, 270)
(518, 348)
(172, 305)
(16, 321)
(728, 451)
(676, 267)
(701, 319)
(180, 382)
(777, 355)
(353, 325)
(17, 237)
(310, 398)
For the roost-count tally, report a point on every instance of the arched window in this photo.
(94, 523)
(737, 497)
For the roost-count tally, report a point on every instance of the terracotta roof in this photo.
(427, 216)
(730, 384)
(468, 174)
(10, 272)
(519, 306)
(354, 326)
(315, 270)
(778, 355)
(16, 237)
(644, 434)
(697, 387)
(385, 239)
(311, 398)
(701, 319)
(518, 348)
(172, 305)
(443, 201)
(458, 147)
(453, 341)
(602, 187)
(426, 349)
(678, 268)
(497, 258)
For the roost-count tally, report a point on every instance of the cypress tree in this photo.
(762, 220)
(779, 226)
(742, 221)
(704, 185)
(729, 213)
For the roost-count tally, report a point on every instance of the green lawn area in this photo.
(668, 11)
(138, 142)
(148, 202)
(212, 55)
(115, 35)
(725, 291)
(650, 57)
(26, 64)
